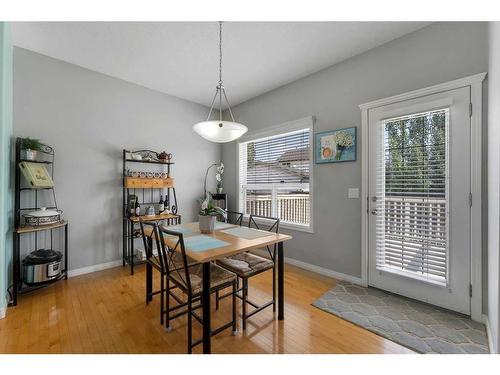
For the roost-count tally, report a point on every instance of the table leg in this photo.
(281, 282)
(207, 333)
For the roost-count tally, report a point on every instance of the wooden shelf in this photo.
(148, 183)
(136, 219)
(30, 229)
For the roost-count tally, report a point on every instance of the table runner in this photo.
(247, 233)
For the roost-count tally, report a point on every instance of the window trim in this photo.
(270, 131)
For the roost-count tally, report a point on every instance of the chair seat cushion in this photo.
(176, 260)
(218, 277)
(246, 264)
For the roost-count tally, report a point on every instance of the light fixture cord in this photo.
(220, 90)
(220, 72)
(220, 53)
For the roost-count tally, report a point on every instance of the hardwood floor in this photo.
(105, 312)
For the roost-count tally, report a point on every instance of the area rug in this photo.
(416, 325)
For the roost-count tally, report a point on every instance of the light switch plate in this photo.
(353, 193)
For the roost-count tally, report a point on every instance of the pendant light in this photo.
(218, 130)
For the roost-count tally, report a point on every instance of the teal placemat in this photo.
(178, 228)
(202, 243)
(247, 233)
(220, 225)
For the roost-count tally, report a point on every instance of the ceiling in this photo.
(181, 58)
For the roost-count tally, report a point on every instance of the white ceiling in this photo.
(181, 58)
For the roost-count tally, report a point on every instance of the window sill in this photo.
(283, 225)
(297, 227)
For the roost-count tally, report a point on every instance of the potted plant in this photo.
(220, 177)
(208, 215)
(30, 147)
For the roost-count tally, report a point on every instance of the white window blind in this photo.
(274, 176)
(412, 195)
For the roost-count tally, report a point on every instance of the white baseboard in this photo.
(94, 268)
(324, 271)
(319, 270)
(486, 322)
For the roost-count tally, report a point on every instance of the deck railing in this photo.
(293, 208)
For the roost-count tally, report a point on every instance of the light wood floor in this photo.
(105, 312)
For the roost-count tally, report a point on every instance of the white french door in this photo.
(419, 198)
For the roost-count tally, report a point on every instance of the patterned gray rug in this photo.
(418, 326)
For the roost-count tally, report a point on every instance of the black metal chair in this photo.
(153, 262)
(234, 217)
(188, 279)
(247, 265)
(156, 262)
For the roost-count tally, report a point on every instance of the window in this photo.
(413, 235)
(274, 174)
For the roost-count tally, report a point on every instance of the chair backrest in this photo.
(171, 252)
(152, 240)
(234, 217)
(274, 223)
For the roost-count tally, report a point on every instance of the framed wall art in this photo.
(335, 146)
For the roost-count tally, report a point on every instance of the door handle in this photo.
(374, 212)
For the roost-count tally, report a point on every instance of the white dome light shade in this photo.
(214, 132)
(220, 131)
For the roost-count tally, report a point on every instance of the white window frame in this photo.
(306, 122)
(474, 82)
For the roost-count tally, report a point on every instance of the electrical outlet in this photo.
(353, 193)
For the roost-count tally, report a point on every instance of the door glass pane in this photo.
(412, 196)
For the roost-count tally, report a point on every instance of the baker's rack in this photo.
(47, 157)
(149, 189)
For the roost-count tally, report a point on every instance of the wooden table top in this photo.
(236, 244)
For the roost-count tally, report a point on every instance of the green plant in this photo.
(31, 144)
(219, 177)
(209, 209)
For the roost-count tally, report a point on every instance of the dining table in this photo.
(226, 240)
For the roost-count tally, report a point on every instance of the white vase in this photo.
(206, 223)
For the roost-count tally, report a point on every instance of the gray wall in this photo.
(494, 183)
(88, 118)
(435, 54)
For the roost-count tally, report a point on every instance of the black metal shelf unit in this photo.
(47, 157)
(149, 195)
